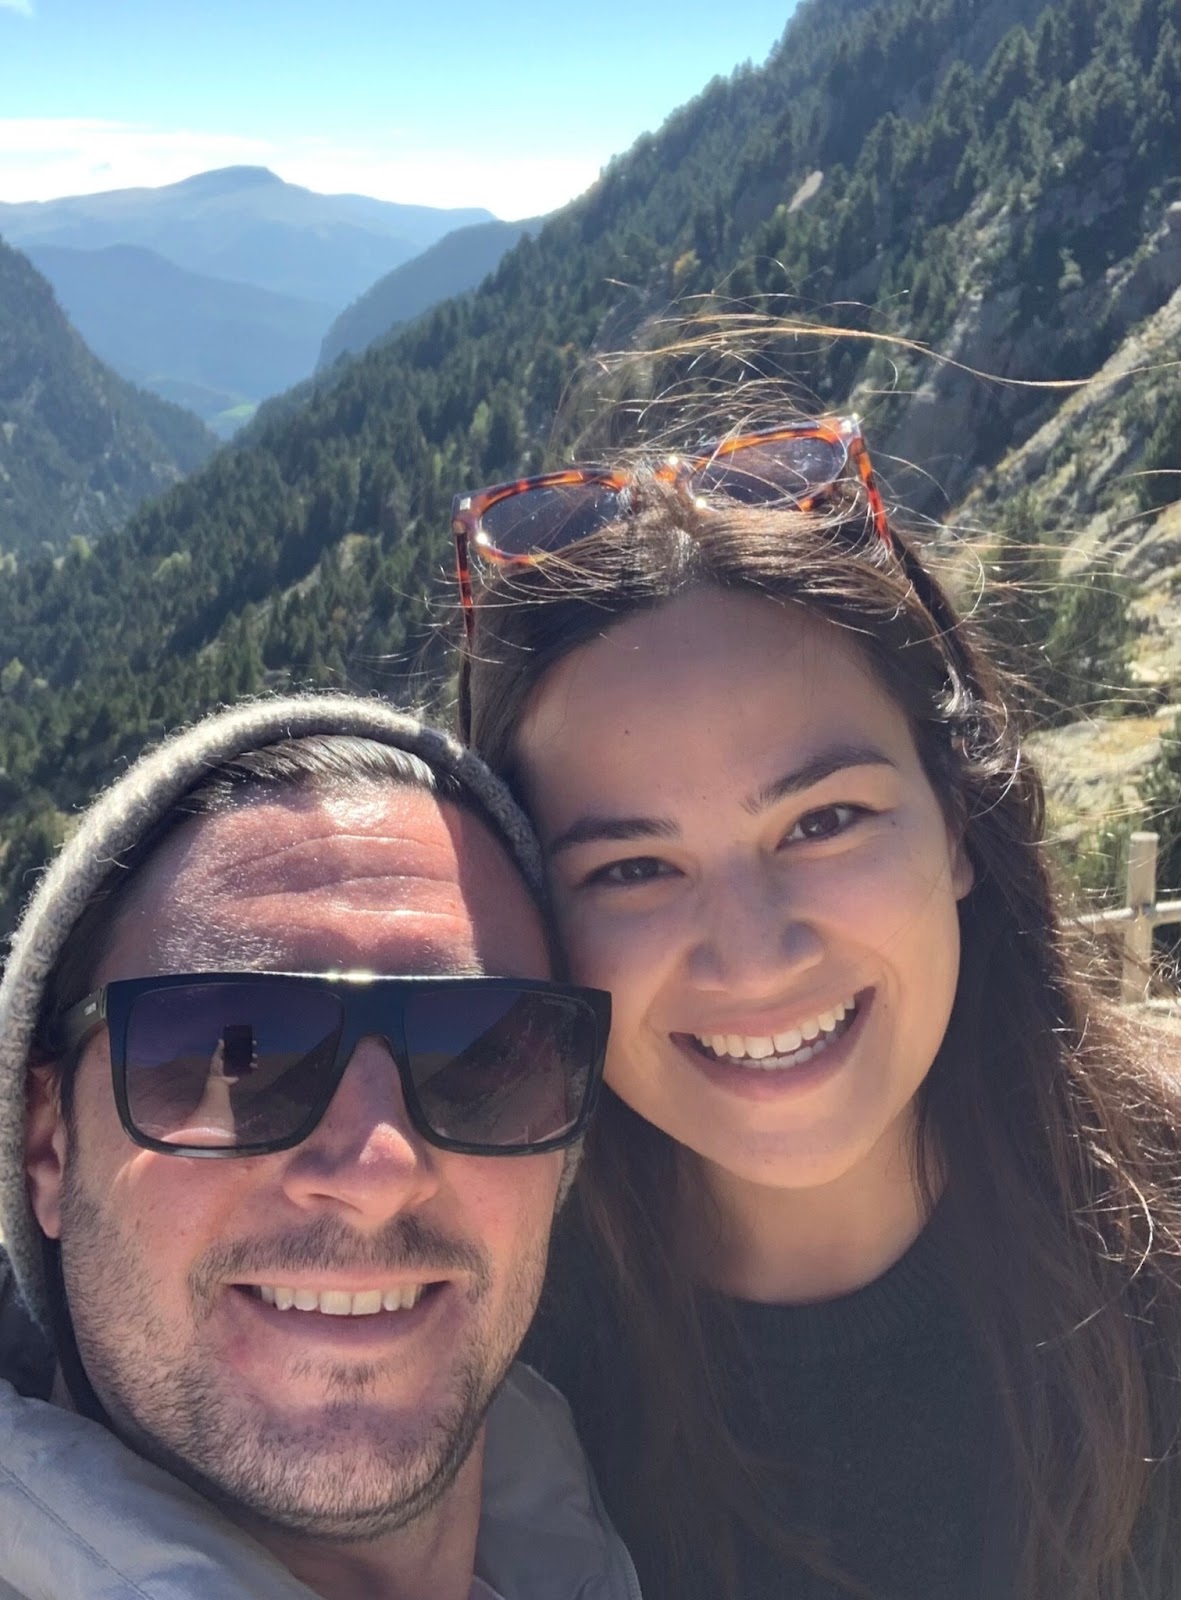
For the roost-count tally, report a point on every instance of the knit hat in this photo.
(122, 816)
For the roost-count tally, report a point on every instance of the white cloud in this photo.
(43, 158)
(23, 8)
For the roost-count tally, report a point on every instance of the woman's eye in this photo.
(637, 869)
(824, 823)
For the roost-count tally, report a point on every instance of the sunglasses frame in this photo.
(366, 1001)
(468, 510)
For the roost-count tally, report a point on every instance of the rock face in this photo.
(1076, 478)
(1081, 466)
(941, 422)
(1091, 768)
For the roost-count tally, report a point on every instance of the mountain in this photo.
(79, 447)
(206, 343)
(216, 292)
(247, 225)
(990, 178)
(457, 263)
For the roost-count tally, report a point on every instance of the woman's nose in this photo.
(753, 934)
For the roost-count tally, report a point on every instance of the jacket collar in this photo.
(84, 1518)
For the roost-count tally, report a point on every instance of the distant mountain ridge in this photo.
(247, 225)
(454, 264)
(80, 448)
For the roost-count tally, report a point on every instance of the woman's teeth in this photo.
(772, 1052)
(339, 1302)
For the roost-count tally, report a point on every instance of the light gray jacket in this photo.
(84, 1518)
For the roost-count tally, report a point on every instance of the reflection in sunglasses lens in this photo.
(510, 1069)
(550, 518)
(228, 1064)
(761, 474)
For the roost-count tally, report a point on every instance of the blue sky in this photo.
(514, 106)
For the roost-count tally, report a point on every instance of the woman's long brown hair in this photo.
(1049, 1112)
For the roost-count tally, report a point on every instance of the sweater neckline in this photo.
(902, 1303)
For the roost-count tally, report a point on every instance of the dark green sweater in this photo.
(877, 1404)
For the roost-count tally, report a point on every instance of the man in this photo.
(287, 1225)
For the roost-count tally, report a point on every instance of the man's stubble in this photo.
(335, 1476)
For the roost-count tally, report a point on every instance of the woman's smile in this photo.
(774, 1048)
(787, 1072)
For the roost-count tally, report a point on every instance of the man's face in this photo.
(327, 1424)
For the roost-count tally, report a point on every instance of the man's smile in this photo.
(338, 1302)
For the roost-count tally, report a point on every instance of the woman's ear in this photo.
(45, 1148)
(963, 873)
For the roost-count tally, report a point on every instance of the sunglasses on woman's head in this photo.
(524, 521)
(238, 1064)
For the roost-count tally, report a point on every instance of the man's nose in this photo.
(364, 1157)
(754, 933)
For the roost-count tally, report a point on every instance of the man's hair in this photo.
(305, 743)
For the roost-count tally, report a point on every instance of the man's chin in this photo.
(348, 1508)
(348, 1471)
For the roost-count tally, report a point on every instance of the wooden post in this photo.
(1140, 895)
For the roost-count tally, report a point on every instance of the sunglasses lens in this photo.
(771, 471)
(500, 1067)
(549, 518)
(221, 1065)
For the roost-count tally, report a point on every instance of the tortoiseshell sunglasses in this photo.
(530, 518)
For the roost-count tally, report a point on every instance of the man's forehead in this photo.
(304, 843)
(385, 877)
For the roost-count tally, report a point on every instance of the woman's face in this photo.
(746, 852)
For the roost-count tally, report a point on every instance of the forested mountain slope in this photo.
(79, 447)
(985, 175)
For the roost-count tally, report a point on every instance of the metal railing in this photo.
(1137, 917)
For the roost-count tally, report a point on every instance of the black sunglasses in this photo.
(246, 1063)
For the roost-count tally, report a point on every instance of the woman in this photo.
(873, 1283)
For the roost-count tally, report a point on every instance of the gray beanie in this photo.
(122, 816)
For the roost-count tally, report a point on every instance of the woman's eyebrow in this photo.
(818, 767)
(594, 829)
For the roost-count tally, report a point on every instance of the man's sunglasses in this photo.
(531, 518)
(243, 1064)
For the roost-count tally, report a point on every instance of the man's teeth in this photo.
(339, 1302)
(792, 1048)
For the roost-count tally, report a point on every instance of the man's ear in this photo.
(45, 1148)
